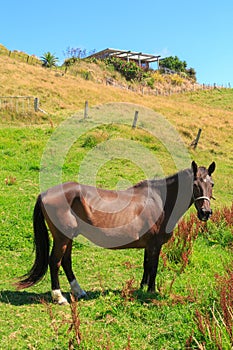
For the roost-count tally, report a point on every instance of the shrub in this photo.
(158, 77)
(176, 80)
(70, 61)
(130, 70)
(85, 74)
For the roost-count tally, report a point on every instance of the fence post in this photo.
(86, 109)
(36, 104)
(195, 142)
(135, 120)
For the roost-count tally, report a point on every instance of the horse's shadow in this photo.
(19, 298)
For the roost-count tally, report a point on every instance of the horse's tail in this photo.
(41, 245)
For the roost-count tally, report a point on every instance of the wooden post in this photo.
(36, 104)
(86, 109)
(195, 142)
(135, 120)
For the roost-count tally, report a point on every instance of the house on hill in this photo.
(142, 59)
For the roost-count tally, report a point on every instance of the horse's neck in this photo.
(176, 192)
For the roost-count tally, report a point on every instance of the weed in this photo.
(10, 180)
(216, 326)
(128, 290)
(54, 323)
(220, 228)
(213, 330)
(180, 247)
(225, 288)
(224, 215)
(75, 325)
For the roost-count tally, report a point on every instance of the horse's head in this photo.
(202, 190)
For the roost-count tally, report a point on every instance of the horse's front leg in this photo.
(145, 272)
(67, 266)
(151, 260)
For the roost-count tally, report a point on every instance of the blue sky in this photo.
(199, 32)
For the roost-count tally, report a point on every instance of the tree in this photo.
(175, 64)
(49, 60)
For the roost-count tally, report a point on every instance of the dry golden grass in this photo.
(62, 95)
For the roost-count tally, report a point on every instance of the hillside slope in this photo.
(62, 95)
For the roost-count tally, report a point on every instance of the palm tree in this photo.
(49, 60)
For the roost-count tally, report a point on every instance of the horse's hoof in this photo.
(82, 295)
(62, 301)
(58, 298)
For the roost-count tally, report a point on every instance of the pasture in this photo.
(195, 271)
(185, 312)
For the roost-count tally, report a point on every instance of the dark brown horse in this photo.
(143, 216)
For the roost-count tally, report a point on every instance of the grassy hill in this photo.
(62, 95)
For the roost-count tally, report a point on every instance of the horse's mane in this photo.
(161, 181)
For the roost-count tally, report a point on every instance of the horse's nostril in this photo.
(204, 214)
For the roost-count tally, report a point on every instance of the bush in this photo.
(176, 65)
(158, 77)
(130, 70)
(176, 80)
(70, 61)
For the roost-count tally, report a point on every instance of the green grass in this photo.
(117, 315)
(150, 321)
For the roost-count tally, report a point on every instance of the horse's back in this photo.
(108, 218)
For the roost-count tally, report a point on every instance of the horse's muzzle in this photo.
(204, 214)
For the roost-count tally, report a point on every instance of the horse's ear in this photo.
(194, 167)
(211, 168)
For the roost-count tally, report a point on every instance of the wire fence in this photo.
(19, 104)
(21, 56)
(164, 89)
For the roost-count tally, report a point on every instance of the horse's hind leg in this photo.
(59, 248)
(67, 266)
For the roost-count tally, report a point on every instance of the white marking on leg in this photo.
(77, 290)
(58, 298)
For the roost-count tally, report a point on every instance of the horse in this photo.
(142, 216)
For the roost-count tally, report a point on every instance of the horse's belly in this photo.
(113, 237)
